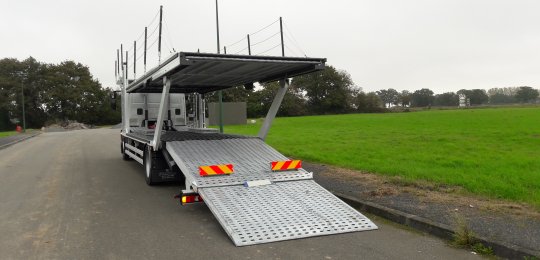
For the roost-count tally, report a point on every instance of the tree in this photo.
(16, 75)
(422, 98)
(329, 91)
(405, 98)
(368, 102)
(234, 94)
(52, 92)
(526, 94)
(388, 96)
(446, 99)
(499, 98)
(293, 103)
(502, 95)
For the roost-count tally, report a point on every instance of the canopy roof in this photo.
(205, 72)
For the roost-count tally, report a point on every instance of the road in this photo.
(69, 195)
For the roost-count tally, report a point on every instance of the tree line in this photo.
(426, 97)
(67, 91)
(332, 91)
(329, 91)
(52, 93)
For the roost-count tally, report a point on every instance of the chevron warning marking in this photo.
(286, 165)
(219, 169)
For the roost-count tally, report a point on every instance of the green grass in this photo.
(7, 133)
(491, 152)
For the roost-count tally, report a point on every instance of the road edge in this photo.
(433, 228)
(18, 141)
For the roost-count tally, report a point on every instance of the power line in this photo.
(153, 43)
(260, 30)
(273, 35)
(241, 50)
(171, 43)
(153, 19)
(294, 52)
(269, 49)
(152, 33)
(237, 42)
(264, 27)
(294, 41)
(140, 36)
(293, 44)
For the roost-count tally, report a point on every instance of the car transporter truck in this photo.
(257, 194)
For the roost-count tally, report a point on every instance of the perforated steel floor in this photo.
(169, 136)
(281, 211)
(251, 158)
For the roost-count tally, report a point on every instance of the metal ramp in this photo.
(251, 158)
(293, 206)
(281, 211)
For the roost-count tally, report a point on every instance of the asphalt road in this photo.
(69, 195)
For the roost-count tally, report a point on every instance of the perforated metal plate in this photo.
(251, 159)
(281, 211)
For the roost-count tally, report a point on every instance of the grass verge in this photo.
(8, 133)
(491, 152)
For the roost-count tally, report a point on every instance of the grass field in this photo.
(7, 133)
(491, 152)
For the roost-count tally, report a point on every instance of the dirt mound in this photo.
(67, 126)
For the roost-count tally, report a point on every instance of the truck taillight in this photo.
(190, 198)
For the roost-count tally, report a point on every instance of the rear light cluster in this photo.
(187, 198)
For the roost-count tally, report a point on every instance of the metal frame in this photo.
(205, 72)
(156, 142)
(272, 112)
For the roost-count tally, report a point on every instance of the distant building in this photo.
(464, 101)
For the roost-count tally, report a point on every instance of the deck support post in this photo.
(272, 112)
(156, 142)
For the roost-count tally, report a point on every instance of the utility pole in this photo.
(220, 92)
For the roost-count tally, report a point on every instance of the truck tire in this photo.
(149, 175)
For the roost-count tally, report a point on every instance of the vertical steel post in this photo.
(122, 59)
(127, 66)
(281, 31)
(115, 69)
(124, 98)
(225, 49)
(249, 45)
(217, 26)
(118, 60)
(145, 38)
(159, 40)
(134, 59)
(220, 93)
(23, 112)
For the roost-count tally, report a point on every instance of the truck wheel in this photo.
(122, 150)
(148, 165)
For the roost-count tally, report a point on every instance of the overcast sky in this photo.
(413, 44)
